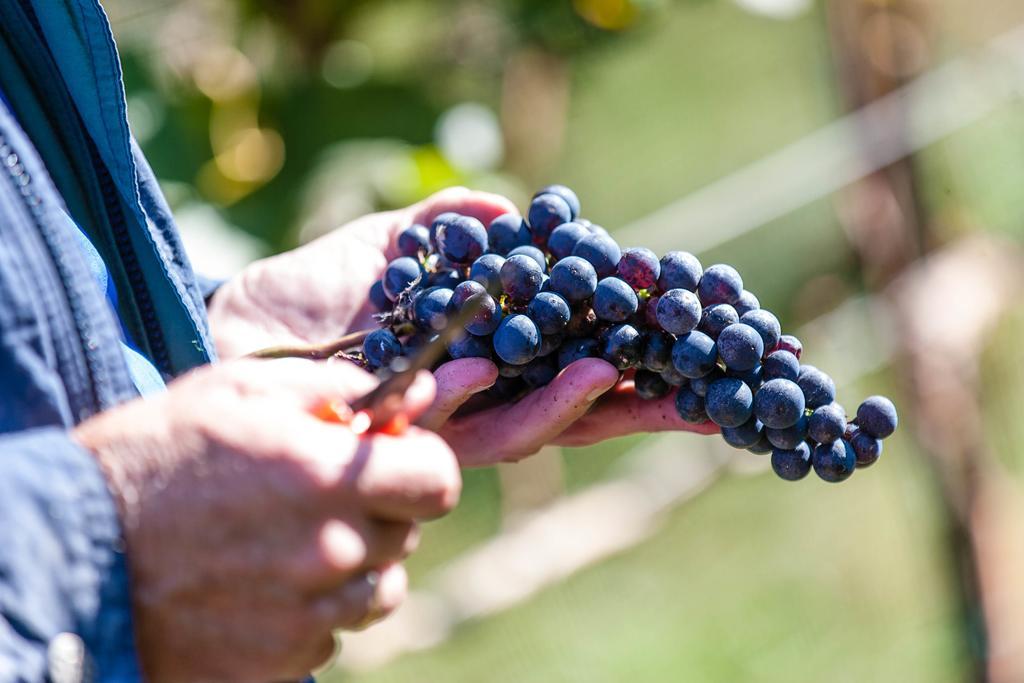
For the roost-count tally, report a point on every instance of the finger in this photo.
(535, 420)
(483, 206)
(622, 412)
(408, 477)
(308, 382)
(363, 600)
(457, 381)
(341, 548)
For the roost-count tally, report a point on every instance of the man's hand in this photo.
(319, 292)
(252, 527)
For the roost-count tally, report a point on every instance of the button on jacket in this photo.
(65, 150)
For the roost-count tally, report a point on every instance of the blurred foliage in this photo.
(296, 78)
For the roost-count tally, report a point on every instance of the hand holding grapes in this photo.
(563, 316)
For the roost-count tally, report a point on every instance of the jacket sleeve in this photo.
(63, 574)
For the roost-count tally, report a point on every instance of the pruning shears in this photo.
(380, 410)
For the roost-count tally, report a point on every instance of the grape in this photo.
(717, 317)
(720, 284)
(381, 347)
(650, 311)
(430, 308)
(550, 343)
(766, 324)
(763, 446)
(657, 355)
(487, 318)
(564, 239)
(788, 342)
(517, 340)
(442, 220)
(448, 279)
(534, 253)
(378, 299)
(781, 365)
(621, 346)
(601, 251)
(819, 389)
(729, 402)
(699, 385)
(747, 303)
(639, 267)
(521, 277)
(752, 377)
(779, 403)
(507, 232)
(690, 407)
(550, 311)
(414, 241)
(539, 372)
(487, 271)
(574, 278)
(747, 435)
(470, 347)
(834, 462)
(547, 212)
(787, 438)
(679, 270)
(827, 423)
(575, 349)
(740, 347)
(673, 377)
(678, 311)
(694, 354)
(614, 300)
(462, 240)
(877, 417)
(792, 465)
(570, 198)
(650, 385)
(866, 448)
(399, 274)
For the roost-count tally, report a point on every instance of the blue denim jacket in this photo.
(62, 568)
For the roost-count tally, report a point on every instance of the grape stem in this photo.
(315, 351)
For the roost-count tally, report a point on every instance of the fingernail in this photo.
(600, 391)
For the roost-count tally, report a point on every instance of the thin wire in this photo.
(937, 104)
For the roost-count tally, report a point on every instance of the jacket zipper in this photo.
(136, 278)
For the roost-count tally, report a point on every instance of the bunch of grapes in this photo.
(555, 288)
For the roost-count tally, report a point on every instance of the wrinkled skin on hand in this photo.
(253, 527)
(318, 292)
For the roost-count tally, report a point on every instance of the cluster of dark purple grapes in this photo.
(555, 288)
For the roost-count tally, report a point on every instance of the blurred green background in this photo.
(271, 121)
